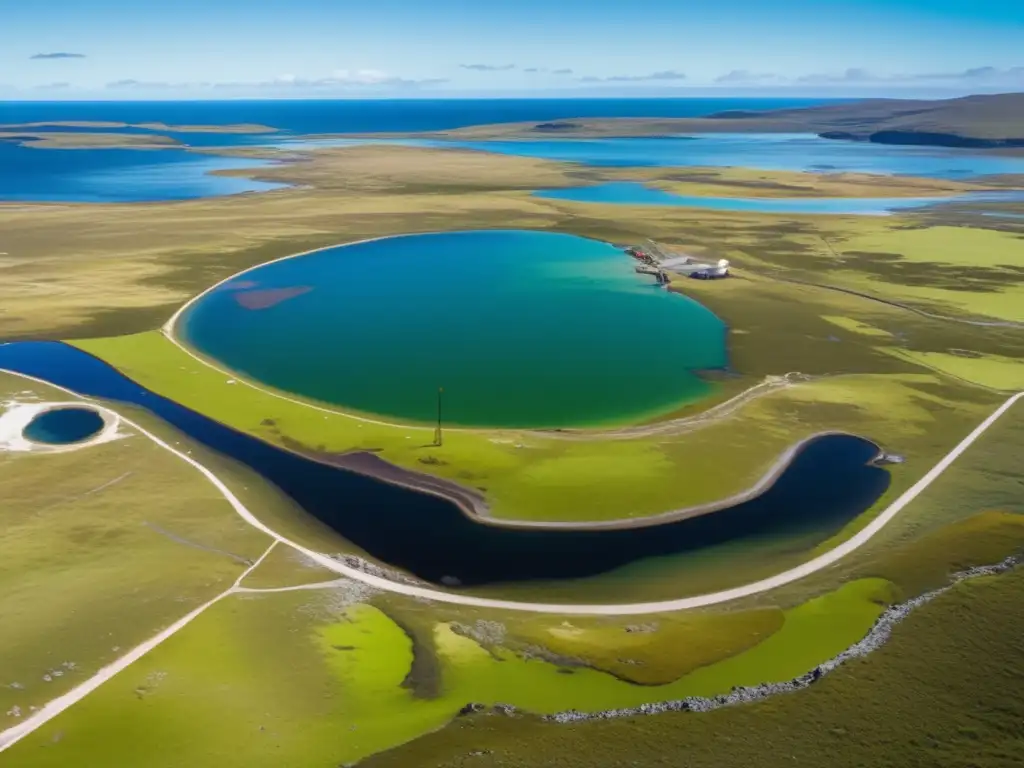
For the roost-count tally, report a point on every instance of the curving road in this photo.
(51, 710)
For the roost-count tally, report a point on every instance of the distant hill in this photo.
(987, 122)
(970, 121)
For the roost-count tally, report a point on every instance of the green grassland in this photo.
(100, 548)
(287, 567)
(556, 479)
(776, 327)
(98, 270)
(945, 691)
(325, 678)
(80, 140)
(218, 694)
(993, 371)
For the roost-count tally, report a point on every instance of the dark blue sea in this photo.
(362, 116)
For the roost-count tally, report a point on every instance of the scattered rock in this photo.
(652, 627)
(486, 633)
(874, 639)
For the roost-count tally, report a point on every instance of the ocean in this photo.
(308, 117)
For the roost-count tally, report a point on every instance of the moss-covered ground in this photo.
(533, 476)
(100, 548)
(945, 691)
(218, 694)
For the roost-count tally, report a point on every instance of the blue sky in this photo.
(337, 48)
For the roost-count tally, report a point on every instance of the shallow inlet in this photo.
(64, 426)
(828, 484)
(634, 193)
(119, 175)
(521, 329)
(770, 152)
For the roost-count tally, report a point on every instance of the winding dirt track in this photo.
(55, 707)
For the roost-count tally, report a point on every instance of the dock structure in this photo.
(656, 260)
(659, 274)
(660, 262)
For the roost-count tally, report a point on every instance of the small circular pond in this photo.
(64, 426)
(524, 329)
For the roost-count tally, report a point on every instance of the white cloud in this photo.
(342, 79)
(667, 75)
(488, 67)
(746, 76)
(976, 75)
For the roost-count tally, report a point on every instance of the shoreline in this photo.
(472, 504)
(469, 501)
(169, 331)
(56, 706)
(813, 565)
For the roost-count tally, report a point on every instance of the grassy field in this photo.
(99, 549)
(752, 182)
(58, 140)
(775, 327)
(555, 479)
(993, 371)
(945, 691)
(104, 546)
(217, 693)
(145, 260)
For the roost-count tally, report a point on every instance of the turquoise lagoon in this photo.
(521, 329)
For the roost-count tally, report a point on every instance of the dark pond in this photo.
(63, 426)
(829, 484)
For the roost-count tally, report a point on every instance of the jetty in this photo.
(659, 262)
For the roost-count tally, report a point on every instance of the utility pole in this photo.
(438, 435)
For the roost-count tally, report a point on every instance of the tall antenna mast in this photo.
(438, 434)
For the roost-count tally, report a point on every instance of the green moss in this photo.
(849, 324)
(649, 652)
(218, 693)
(287, 567)
(100, 548)
(927, 562)
(527, 475)
(994, 371)
(958, 246)
(944, 691)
